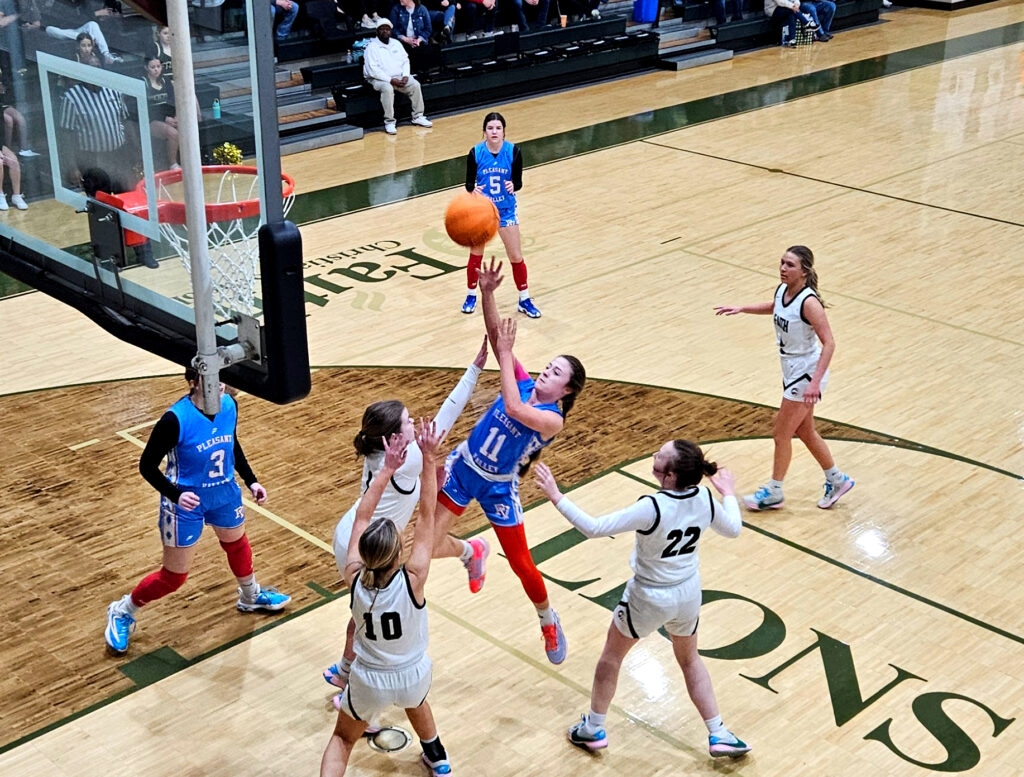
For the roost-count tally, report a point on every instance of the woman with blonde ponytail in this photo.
(665, 588)
(391, 665)
(800, 323)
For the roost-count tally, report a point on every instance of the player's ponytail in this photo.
(689, 465)
(576, 382)
(379, 546)
(806, 257)
(380, 421)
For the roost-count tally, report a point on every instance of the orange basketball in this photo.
(471, 219)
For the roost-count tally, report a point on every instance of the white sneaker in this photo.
(3, 202)
(28, 153)
(835, 490)
(391, 128)
(886, 3)
(422, 121)
(367, 22)
(764, 499)
(19, 202)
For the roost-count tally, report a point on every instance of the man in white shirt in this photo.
(386, 67)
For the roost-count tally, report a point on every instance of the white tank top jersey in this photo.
(403, 492)
(391, 626)
(795, 335)
(666, 553)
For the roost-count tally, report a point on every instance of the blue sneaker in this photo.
(594, 741)
(763, 499)
(470, 304)
(835, 490)
(437, 767)
(526, 306)
(120, 627)
(269, 599)
(731, 746)
(554, 641)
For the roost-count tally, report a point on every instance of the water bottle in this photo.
(216, 108)
(348, 57)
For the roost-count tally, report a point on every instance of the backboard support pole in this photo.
(207, 361)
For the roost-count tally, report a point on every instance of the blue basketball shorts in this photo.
(181, 528)
(499, 499)
(507, 216)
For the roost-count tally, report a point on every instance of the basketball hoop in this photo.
(232, 222)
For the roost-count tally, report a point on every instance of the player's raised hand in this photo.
(506, 336)
(724, 482)
(727, 310)
(394, 451)
(490, 276)
(429, 438)
(544, 478)
(481, 356)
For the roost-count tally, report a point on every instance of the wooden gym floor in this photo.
(882, 637)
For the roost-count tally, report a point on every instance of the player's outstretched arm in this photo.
(394, 457)
(639, 516)
(429, 438)
(455, 402)
(758, 309)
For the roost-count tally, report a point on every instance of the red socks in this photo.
(239, 556)
(157, 585)
(519, 275)
(473, 270)
(513, 543)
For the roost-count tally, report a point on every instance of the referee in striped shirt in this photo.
(95, 116)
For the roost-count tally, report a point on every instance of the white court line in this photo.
(85, 444)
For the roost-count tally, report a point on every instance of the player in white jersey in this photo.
(391, 666)
(665, 588)
(800, 323)
(381, 420)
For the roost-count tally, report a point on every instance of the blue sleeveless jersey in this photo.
(498, 443)
(203, 461)
(492, 171)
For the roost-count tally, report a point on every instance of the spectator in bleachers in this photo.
(539, 20)
(162, 50)
(13, 118)
(86, 52)
(787, 12)
(9, 162)
(370, 11)
(822, 12)
(411, 23)
(442, 18)
(386, 67)
(35, 12)
(479, 14)
(163, 123)
(290, 9)
(718, 8)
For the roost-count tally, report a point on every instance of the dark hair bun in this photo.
(709, 467)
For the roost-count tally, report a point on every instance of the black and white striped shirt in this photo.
(96, 117)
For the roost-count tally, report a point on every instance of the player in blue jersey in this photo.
(494, 168)
(522, 420)
(197, 487)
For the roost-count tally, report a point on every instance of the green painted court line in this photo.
(859, 573)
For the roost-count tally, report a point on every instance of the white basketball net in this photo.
(233, 245)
